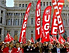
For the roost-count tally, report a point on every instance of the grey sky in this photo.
(9, 3)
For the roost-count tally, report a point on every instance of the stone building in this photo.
(11, 18)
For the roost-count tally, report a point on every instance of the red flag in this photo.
(57, 10)
(46, 23)
(11, 38)
(51, 39)
(55, 38)
(37, 20)
(24, 40)
(61, 39)
(24, 25)
(67, 39)
(32, 40)
(42, 33)
(8, 38)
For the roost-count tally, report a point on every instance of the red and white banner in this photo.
(68, 39)
(37, 20)
(24, 25)
(60, 21)
(54, 27)
(57, 11)
(61, 40)
(8, 38)
(46, 23)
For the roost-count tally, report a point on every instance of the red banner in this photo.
(60, 21)
(46, 23)
(61, 40)
(57, 11)
(54, 27)
(24, 25)
(37, 20)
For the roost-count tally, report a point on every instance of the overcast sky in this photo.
(9, 3)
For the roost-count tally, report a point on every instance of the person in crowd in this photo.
(56, 49)
(62, 48)
(21, 45)
(67, 48)
(11, 47)
(18, 49)
(45, 47)
(50, 47)
(6, 49)
(2, 47)
(28, 47)
(37, 47)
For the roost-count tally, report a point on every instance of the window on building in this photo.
(31, 21)
(7, 14)
(25, 5)
(15, 32)
(0, 31)
(68, 20)
(64, 22)
(47, 3)
(63, 5)
(10, 14)
(9, 22)
(50, 3)
(22, 5)
(1, 20)
(1, 11)
(21, 21)
(15, 22)
(16, 13)
(66, 5)
(63, 14)
(31, 31)
(23, 13)
(19, 5)
(68, 14)
(43, 3)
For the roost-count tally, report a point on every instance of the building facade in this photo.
(11, 18)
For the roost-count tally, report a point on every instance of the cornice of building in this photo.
(15, 8)
(3, 7)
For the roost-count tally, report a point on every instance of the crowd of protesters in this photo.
(37, 47)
